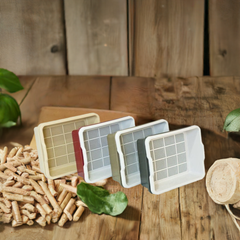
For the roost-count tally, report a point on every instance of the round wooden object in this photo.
(223, 181)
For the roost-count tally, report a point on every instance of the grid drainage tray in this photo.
(123, 151)
(171, 160)
(91, 148)
(55, 144)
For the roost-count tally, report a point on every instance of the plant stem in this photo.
(20, 118)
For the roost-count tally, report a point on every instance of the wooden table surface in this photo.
(183, 213)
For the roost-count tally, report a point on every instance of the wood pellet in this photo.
(28, 197)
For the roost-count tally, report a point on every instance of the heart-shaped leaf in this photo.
(9, 81)
(99, 200)
(232, 121)
(9, 111)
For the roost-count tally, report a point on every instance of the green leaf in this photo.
(8, 124)
(9, 111)
(100, 201)
(232, 121)
(9, 81)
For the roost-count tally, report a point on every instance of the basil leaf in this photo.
(232, 121)
(9, 81)
(9, 111)
(100, 201)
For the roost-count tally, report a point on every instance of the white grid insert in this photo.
(96, 145)
(59, 143)
(168, 156)
(129, 149)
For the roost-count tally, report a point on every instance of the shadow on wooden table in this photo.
(131, 213)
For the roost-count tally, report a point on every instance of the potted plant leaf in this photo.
(232, 124)
(10, 113)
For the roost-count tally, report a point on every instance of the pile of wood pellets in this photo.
(27, 196)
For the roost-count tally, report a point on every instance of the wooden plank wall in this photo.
(102, 37)
(224, 26)
(168, 38)
(97, 37)
(32, 37)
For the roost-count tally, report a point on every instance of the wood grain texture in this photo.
(132, 94)
(224, 34)
(97, 37)
(168, 38)
(202, 101)
(160, 216)
(194, 209)
(201, 217)
(29, 29)
(86, 92)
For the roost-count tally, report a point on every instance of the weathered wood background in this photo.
(143, 38)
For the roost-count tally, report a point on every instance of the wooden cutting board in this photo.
(90, 226)
(54, 113)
